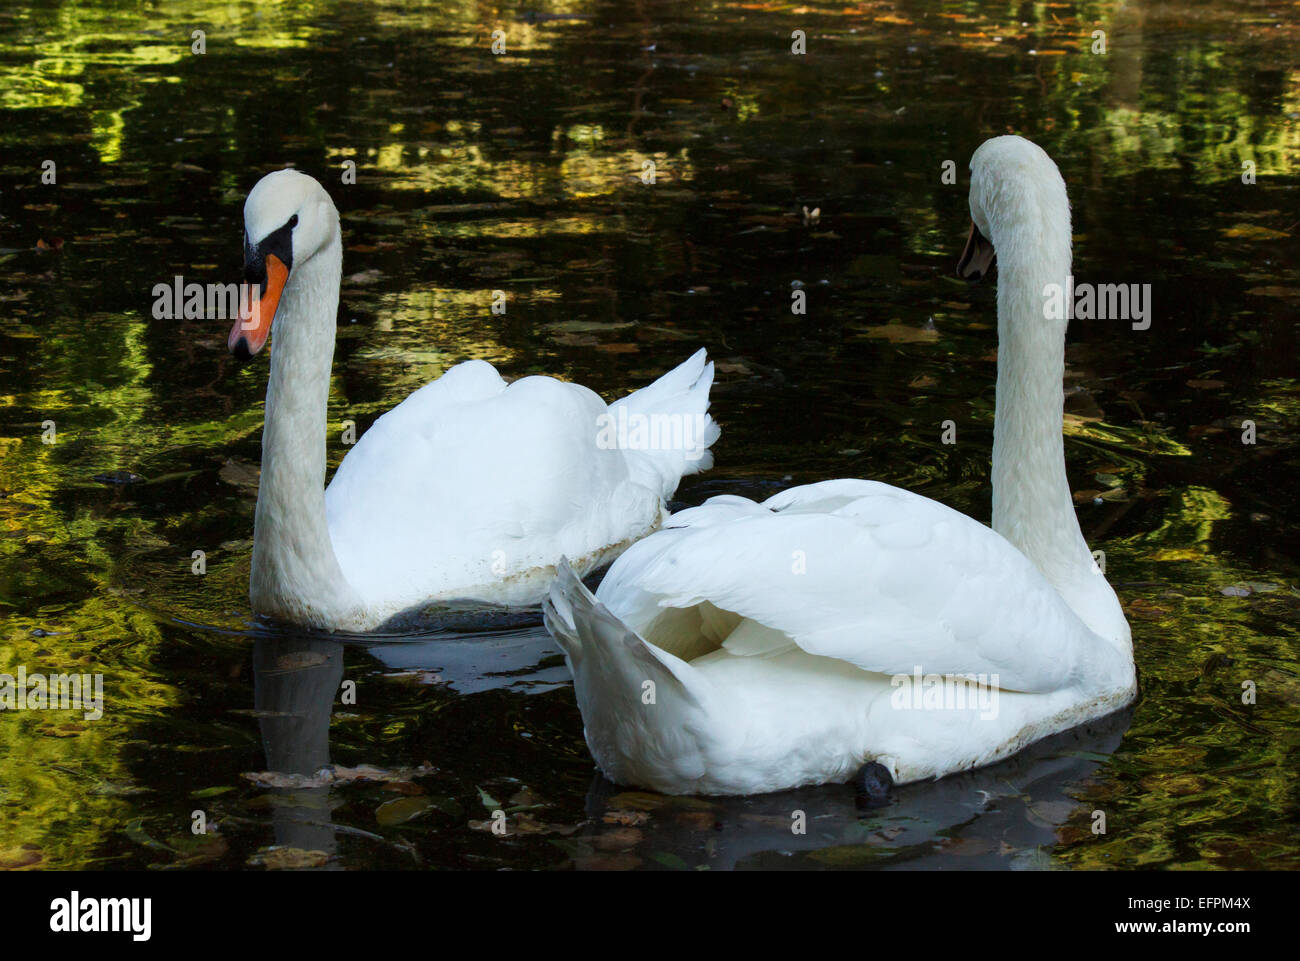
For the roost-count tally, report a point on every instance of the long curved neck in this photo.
(1032, 506)
(295, 573)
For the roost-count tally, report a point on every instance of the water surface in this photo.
(522, 173)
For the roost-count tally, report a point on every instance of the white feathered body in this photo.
(473, 489)
(773, 634)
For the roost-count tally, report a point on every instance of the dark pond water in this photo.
(520, 173)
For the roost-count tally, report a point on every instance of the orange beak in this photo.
(256, 311)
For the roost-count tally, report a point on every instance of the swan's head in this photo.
(1018, 205)
(288, 219)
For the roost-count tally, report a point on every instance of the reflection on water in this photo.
(524, 174)
(1000, 816)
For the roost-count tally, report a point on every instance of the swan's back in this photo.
(470, 482)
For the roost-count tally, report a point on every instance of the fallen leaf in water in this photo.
(404, 787)
(1145, 610)
(618, 839)
(647, 801)
(1284, 292)
(526, 824)
(697, 820)
(198, 849)
(20, 858)
(652, 332)
(136, 832)
(732, 367)
(521, 824)
(299, 660)
(336, 775)
(68, 729)
(901, 334)
(368, 772)
(1206, 384)
(288, 859)
(1253, 232)
(525, 797)
(211, 792)
(1246, 588)
(401, 810)
(628, 818)
(966, 847)
(278, 779)
(575, 340)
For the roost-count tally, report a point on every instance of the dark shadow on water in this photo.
(995, 818)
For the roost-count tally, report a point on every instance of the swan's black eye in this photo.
(293, 221)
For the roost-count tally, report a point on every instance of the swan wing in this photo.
(469, 481)
(870, 574)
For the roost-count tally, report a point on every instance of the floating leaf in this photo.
(288, 859)
(629, 818)
(401, 810)
(20, 858)
(902, 334)
(1253, 232)
(211, 792)
(136, 832)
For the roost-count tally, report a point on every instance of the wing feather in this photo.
(870, 574)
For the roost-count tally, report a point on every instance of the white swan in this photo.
(469, 489)
(752, 647)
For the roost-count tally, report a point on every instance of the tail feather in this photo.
(665, 427)
(604, 653)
